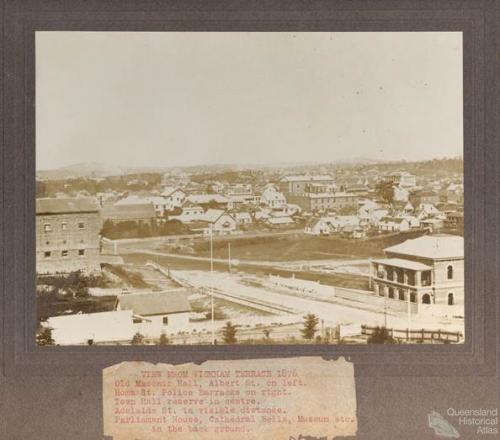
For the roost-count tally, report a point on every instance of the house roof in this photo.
(207, 198)
(155, 303)
(306, 178)
(439, 246)
(169, 190)
(52, 205)
(404, 264)
(280, 220)
(212, 215)
(136, 211)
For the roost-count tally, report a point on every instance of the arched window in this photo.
(412, 297)
(426, 299)
(450, 299)
(450, 272)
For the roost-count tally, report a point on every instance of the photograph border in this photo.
(477, 356)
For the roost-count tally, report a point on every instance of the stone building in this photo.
(324, 201)
(298, 184)
(67, 234)
(425, 270)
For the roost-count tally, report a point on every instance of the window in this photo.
(64, 226)
(165, 320)
(81, 252)
(81, 225)
(401, 295)
(426, 299)
(450, 272)
(391, 292)
(64, 253)
(412, 297)
(46, 254)
(47, 243)
(47, 227)
(450, 299)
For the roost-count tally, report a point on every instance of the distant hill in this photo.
(84, 169)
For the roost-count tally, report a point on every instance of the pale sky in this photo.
(194, 98)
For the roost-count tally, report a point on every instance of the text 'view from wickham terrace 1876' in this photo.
(234, 188)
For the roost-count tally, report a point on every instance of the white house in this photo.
(427, 210)
(160, 204)
(319, 226)
(392, 224)
(155, 313)
(413, 221)
(206, 199)
(340, 222)
(272, 198)
(175, 196)
(190, 213)
(281, 221)
(243, 218)
(219, 222)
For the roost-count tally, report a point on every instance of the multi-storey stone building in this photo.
(298, 184)
(67, 234)
(425, 270)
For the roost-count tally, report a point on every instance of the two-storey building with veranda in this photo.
(67, 235)
(425, 270)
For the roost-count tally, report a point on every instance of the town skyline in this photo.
(346, 161)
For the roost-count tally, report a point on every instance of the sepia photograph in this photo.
(258, 188)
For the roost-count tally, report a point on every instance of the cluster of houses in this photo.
(434, 207)
(68, 228)
(232, 208)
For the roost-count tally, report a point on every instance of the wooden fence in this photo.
(417, 334)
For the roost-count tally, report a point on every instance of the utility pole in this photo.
(211, 283)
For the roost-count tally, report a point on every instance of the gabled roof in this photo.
(440, 246)
(169, 190)
(52, 205)
(212, 215)
(155, 303)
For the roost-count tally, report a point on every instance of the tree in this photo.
(385, 190)
(44, 337)
(229, 333)
(163, 339)
(311, 322)
(138, 339)
(380, 336)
